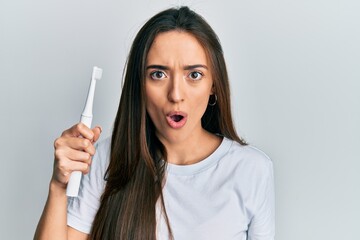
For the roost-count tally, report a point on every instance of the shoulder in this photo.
(103, 145)
(248, 167)
(253, 175)
(102, 154)
(82, 210)
(249, 157)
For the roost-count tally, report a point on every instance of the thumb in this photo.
(97, 131)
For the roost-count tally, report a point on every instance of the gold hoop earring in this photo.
(213, 103)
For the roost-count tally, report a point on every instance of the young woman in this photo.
(174, 167)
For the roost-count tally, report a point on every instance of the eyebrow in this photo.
(161, 67)
(187, 67)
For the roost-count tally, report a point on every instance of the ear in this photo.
(212, 91)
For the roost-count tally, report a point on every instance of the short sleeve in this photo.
(262, 225)
(81, 210)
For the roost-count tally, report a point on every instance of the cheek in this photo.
(200, 103)
(149, 98)
(152, 104)
(151, 110)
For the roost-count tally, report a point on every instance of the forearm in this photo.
(53, 221)
(72, 153)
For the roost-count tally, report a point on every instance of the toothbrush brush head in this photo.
(97, 73)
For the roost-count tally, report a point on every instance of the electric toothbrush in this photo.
(73, 185)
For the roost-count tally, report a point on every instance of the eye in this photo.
(196, 75)
(157, 75)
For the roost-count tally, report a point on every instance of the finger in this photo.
(82, 144)
(77, 130)
(80, 166)
(66, 166)
(76, 155)
(97, 131)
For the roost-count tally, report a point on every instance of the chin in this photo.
(174, 136)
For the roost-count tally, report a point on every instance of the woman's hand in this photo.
(73, 152)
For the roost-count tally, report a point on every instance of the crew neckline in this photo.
(204, 164)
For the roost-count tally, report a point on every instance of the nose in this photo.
(176, 90)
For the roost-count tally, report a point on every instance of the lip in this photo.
(172, 123)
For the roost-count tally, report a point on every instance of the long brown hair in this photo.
(135, 175)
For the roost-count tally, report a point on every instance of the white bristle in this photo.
(97, 73)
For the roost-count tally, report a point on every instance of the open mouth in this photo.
(176, 117)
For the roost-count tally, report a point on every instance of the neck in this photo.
(193, 149)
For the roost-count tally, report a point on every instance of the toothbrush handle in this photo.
(86, 120)
(73, 185)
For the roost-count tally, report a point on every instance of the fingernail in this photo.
(100, 128)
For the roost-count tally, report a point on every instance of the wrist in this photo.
(56, 188)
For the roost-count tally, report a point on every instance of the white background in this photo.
(295, 78)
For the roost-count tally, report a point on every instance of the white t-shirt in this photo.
(228, 195)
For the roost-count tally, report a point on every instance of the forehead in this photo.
(177, 46)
